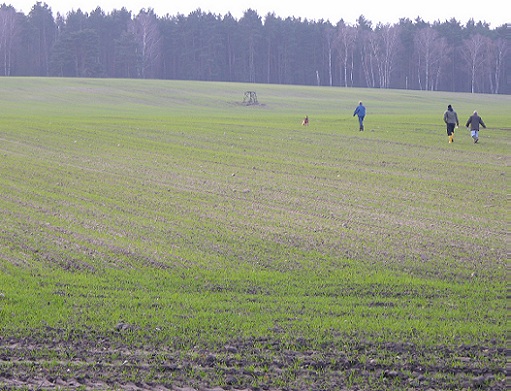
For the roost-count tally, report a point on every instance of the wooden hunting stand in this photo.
(250, 98)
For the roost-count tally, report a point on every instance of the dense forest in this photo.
(411, 54)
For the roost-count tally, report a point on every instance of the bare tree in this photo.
(366, 57)
(377, 53)
(431, 52)
(384, 48)
(499, 50)
(443, 51)
(345, 42)
(473, 53)
(423, 42)
(9, 33)
(145, 29)
(330, 39)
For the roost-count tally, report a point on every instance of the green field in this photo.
(162, 234)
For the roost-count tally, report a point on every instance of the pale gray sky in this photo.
(492, 11)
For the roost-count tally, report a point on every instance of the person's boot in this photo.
(450, 139)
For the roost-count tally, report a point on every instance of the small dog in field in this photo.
(305, 121)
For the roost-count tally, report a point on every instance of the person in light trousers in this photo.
(473, 125)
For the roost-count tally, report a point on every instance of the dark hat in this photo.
(449, 107)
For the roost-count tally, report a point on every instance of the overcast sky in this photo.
(493, 12)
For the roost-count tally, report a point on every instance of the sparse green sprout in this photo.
(151, 235)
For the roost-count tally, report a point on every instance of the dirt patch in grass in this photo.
(102, 363)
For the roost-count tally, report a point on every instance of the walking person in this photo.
(474, 121)
(361, 112)
(451, 119)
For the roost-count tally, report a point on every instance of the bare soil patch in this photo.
(99, 363)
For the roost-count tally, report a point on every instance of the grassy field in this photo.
(162, 234)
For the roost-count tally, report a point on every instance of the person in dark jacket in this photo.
(451, 119)
(473, 125)
(361, 112)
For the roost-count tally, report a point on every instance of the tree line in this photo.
(410, 54)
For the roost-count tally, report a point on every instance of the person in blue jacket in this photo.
(361, 112)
